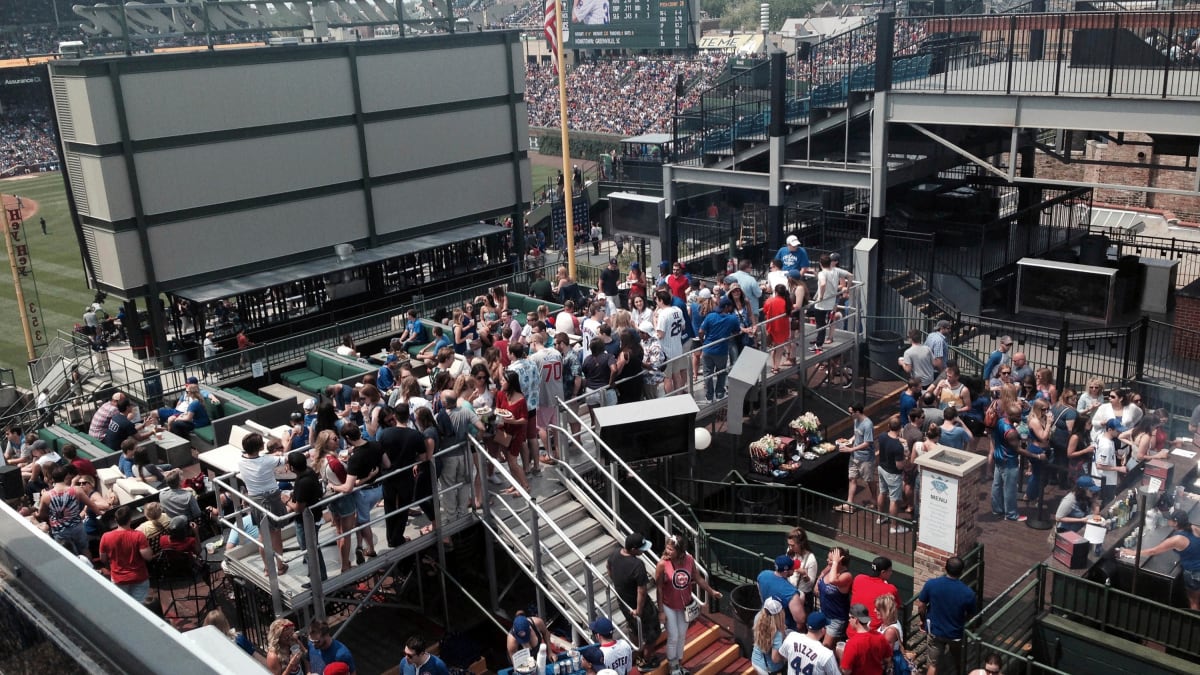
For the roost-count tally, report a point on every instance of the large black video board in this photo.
(626, 24)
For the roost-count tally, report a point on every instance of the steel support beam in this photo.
(962, 151)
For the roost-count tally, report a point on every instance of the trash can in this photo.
(154, 388)
(745, 601)
(884, 348)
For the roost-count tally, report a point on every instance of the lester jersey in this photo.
(806, 656)
(616, 655)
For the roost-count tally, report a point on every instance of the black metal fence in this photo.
(1162, 248)
(1126, 54)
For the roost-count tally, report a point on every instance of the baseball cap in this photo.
(792, 240)
(794, 274)
(602, 625)
(859, 612)
(1005, 340)
(664, 265)
(704, 294)
(41, 445)
(193, 380)
(310, 404)
(646, 327)
(336, 668)
(634, 266)
(521, 628)
(178, 523)
(636, 542)
(772, 606)
(726, 303)
(817, 621)
(593, 655)
(784, 563)
(1115, 425)
(942, 323)
(1087, 482)
(612, 261)
(1180, 517)
(835, 256)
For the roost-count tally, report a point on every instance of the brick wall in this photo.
(1184, 208)
(930, 562)
(1186, 344)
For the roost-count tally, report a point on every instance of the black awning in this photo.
(259, 281)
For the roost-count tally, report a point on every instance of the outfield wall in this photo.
(190, 168)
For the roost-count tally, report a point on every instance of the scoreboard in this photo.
(627, 24)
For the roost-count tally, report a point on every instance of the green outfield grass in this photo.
(57, 268)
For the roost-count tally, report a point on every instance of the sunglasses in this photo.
(1113, 396)
(1006, 372)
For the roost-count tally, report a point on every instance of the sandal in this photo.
(844, 508)
(370, 554)
(427, 529)
(549, 461)
(511, 492)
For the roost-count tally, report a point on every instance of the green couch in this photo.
(323, 368)
(522, 304)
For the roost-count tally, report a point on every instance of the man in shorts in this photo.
(550, 383)
(670, 328)
(945, 603)
(862, 457)
(891, 473)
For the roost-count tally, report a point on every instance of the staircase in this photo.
(562, 538)
(916, 291)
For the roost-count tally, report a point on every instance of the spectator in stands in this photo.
(833, 587)
(866, 651)
(347, 348)
(180, 536)
(286, 652)
(16, 453)
(99, 424)
(418, 661)
(867, 587)
(195, 417)
(414, 331)
(61, 507)
(258, 473)
(120, 428)
(83, 466)
(792, 256)
(776, 585)
(917, 360)
(177, 500)
(677, 579)
(944, 604)
(156, 525)
(145, 470)
(323, 650)
(125, 552)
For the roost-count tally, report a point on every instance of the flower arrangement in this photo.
(807, 423)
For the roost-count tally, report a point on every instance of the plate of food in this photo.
(810, 455)
(501, 412)
(483, 411)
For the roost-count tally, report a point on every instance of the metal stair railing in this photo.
(541, 558)
(670, 517)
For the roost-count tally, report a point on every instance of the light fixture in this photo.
(703, 438)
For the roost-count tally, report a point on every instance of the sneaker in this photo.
(814, 348)
(1018, 519)
(880, 520)
(899, 529)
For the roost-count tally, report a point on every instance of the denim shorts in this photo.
(1191, 580)
(366, 498)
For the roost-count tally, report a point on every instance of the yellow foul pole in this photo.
(568, 177)
(11, 220)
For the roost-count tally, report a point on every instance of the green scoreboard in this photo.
(628, 24)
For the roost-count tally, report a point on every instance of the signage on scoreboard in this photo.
(627, 24)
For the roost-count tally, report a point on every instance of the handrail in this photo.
(615, 485)
(545, 521)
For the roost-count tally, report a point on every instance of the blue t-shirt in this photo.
(950, 603)
(384, 379)
(336, 651)
(907, 403)
(954, 438)
(417, 329)
(792, 261)
(771, 585)
(716, 327)
(125, 465)
(762, 660)
(687, 322)
(433, 666)
(199, 414)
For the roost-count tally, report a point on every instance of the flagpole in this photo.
(568, 176)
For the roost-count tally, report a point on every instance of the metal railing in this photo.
(738, 500)
(1006, 625)
(1127, 54)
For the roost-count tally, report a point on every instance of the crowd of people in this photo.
(27, 141)
(625, 96)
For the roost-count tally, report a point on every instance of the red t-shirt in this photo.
(678, 285)
(866, 589)
(123, 550)
(865, 652)
(186, 545)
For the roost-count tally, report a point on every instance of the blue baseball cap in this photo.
(522, 629)
(784, 563)
(602, 626)
(817, 621)
(1087, 482)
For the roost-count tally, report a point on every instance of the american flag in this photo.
(552, 34)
